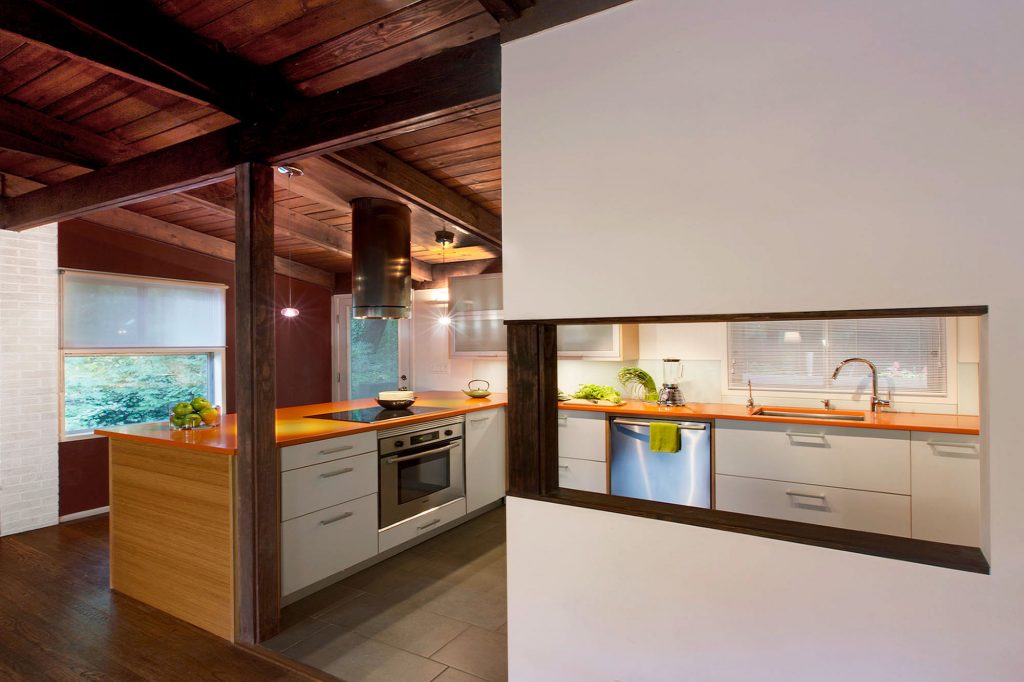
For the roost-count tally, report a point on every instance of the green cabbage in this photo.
(595, 392)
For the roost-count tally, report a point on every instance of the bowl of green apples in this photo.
(197, 413)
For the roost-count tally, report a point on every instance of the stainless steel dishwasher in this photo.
(682, 477)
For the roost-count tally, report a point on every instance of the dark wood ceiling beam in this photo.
(379, 166)
(295, 225)
(43, 135)
(134, 40)
(153, 228)
(423, 93)
(506, 10)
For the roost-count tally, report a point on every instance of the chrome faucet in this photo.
(876, 402)
(750, 394)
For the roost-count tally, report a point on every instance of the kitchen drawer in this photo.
(840, 507)
(583, 435)
(306, 454)
(318, 545)
(421, 524)
(583, 474)
(324, 485)
(946, 487)
(865, 459)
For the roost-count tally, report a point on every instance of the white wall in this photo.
(773, 157)
(28, 379)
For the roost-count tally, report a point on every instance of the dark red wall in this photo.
(303, 343)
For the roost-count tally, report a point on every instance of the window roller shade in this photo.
(910, 354)
(110, 311)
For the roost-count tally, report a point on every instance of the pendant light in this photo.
(444, 238)
(290, 310)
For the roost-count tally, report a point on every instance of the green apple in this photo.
(181, 409)
(192, 420)
(199, 403)
(177, 422)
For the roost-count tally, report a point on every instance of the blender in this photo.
(672, 375)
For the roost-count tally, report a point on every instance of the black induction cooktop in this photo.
(369, 415)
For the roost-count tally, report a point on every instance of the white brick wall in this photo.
(28, 379)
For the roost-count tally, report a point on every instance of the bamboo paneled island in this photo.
(172, 504)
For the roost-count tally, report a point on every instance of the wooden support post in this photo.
(257, 469)
(532, 409)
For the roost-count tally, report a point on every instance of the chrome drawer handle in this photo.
(819, 436)
(481, 419)
(327, 522)
(332, 451)
(563, 466)
(563, 420)
(339, 472)
(818, 496)
(428, 524)
(946, 444)
(689, 426)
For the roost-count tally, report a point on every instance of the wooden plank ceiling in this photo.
(62, 115)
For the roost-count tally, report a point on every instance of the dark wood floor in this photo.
(59, 620)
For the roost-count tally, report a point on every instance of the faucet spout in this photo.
(876, 402)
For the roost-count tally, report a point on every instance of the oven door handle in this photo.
(420, 455)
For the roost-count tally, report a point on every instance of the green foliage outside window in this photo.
(109, 390)
(373, 357)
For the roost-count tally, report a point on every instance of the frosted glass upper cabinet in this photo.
(599, 341)
(477, 326)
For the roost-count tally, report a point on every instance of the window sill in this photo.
(955, 557)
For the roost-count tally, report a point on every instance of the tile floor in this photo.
(435, 612)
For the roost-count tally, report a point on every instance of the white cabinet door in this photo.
(946, 488)
(864, 459)
(485, 457)
(324, 485)
(422, 524)
(599, 341)
(318, 545)
(855, 509)
(583, 474)
(307, 454)
(583, 435)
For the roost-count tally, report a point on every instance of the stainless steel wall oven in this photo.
(421, 467)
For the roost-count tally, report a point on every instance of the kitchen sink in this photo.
(808, 413)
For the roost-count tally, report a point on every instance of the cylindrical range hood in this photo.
(381, 261)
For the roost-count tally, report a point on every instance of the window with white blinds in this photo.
(910, 354)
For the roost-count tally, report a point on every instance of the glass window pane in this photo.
(373, 357)
(107, 311)
(910, 354)
(586, 337)
(110, 390)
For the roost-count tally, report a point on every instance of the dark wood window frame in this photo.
(533, 446)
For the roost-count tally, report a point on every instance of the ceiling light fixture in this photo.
(289, 311)
(444, 237)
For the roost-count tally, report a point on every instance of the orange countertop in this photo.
(293, 427)
(897, 421)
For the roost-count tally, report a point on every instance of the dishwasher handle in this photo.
(689, 426)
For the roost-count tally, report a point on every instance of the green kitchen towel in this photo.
(665, 437)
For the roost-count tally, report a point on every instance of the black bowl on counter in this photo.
(395, 404)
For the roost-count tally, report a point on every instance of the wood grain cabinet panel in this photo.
(864, 459)
(172, 532)
(946, 488)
